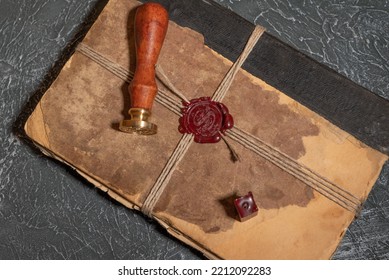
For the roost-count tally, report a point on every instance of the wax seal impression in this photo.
(205, 119)
(246, 207)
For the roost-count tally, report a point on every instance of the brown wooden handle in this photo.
(151, 21)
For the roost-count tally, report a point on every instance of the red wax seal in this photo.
(246, 207)
(205, 119)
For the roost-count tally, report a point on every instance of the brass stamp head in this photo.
(138, 122)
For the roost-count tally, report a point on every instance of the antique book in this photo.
(307, 138)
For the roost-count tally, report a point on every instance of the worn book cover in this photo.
(309, 165)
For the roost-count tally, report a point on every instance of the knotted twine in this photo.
(317, 182)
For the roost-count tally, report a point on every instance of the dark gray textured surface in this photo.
(49, 212)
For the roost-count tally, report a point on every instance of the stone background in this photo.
(47, 211)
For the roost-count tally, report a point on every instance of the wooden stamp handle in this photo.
(151, 22)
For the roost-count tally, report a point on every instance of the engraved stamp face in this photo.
(205, 119)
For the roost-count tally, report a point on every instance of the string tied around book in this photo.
(317, 182)
(187, 139)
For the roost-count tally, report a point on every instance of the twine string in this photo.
(222, 90)
(317, 182)
(166, 81)
(164, 178)
(162, 97)
(299, 171)
(182, 147)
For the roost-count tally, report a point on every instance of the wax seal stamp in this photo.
(205, 119)
(151, 22)
(246, 207)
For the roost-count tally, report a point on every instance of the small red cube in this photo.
(246, 207)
